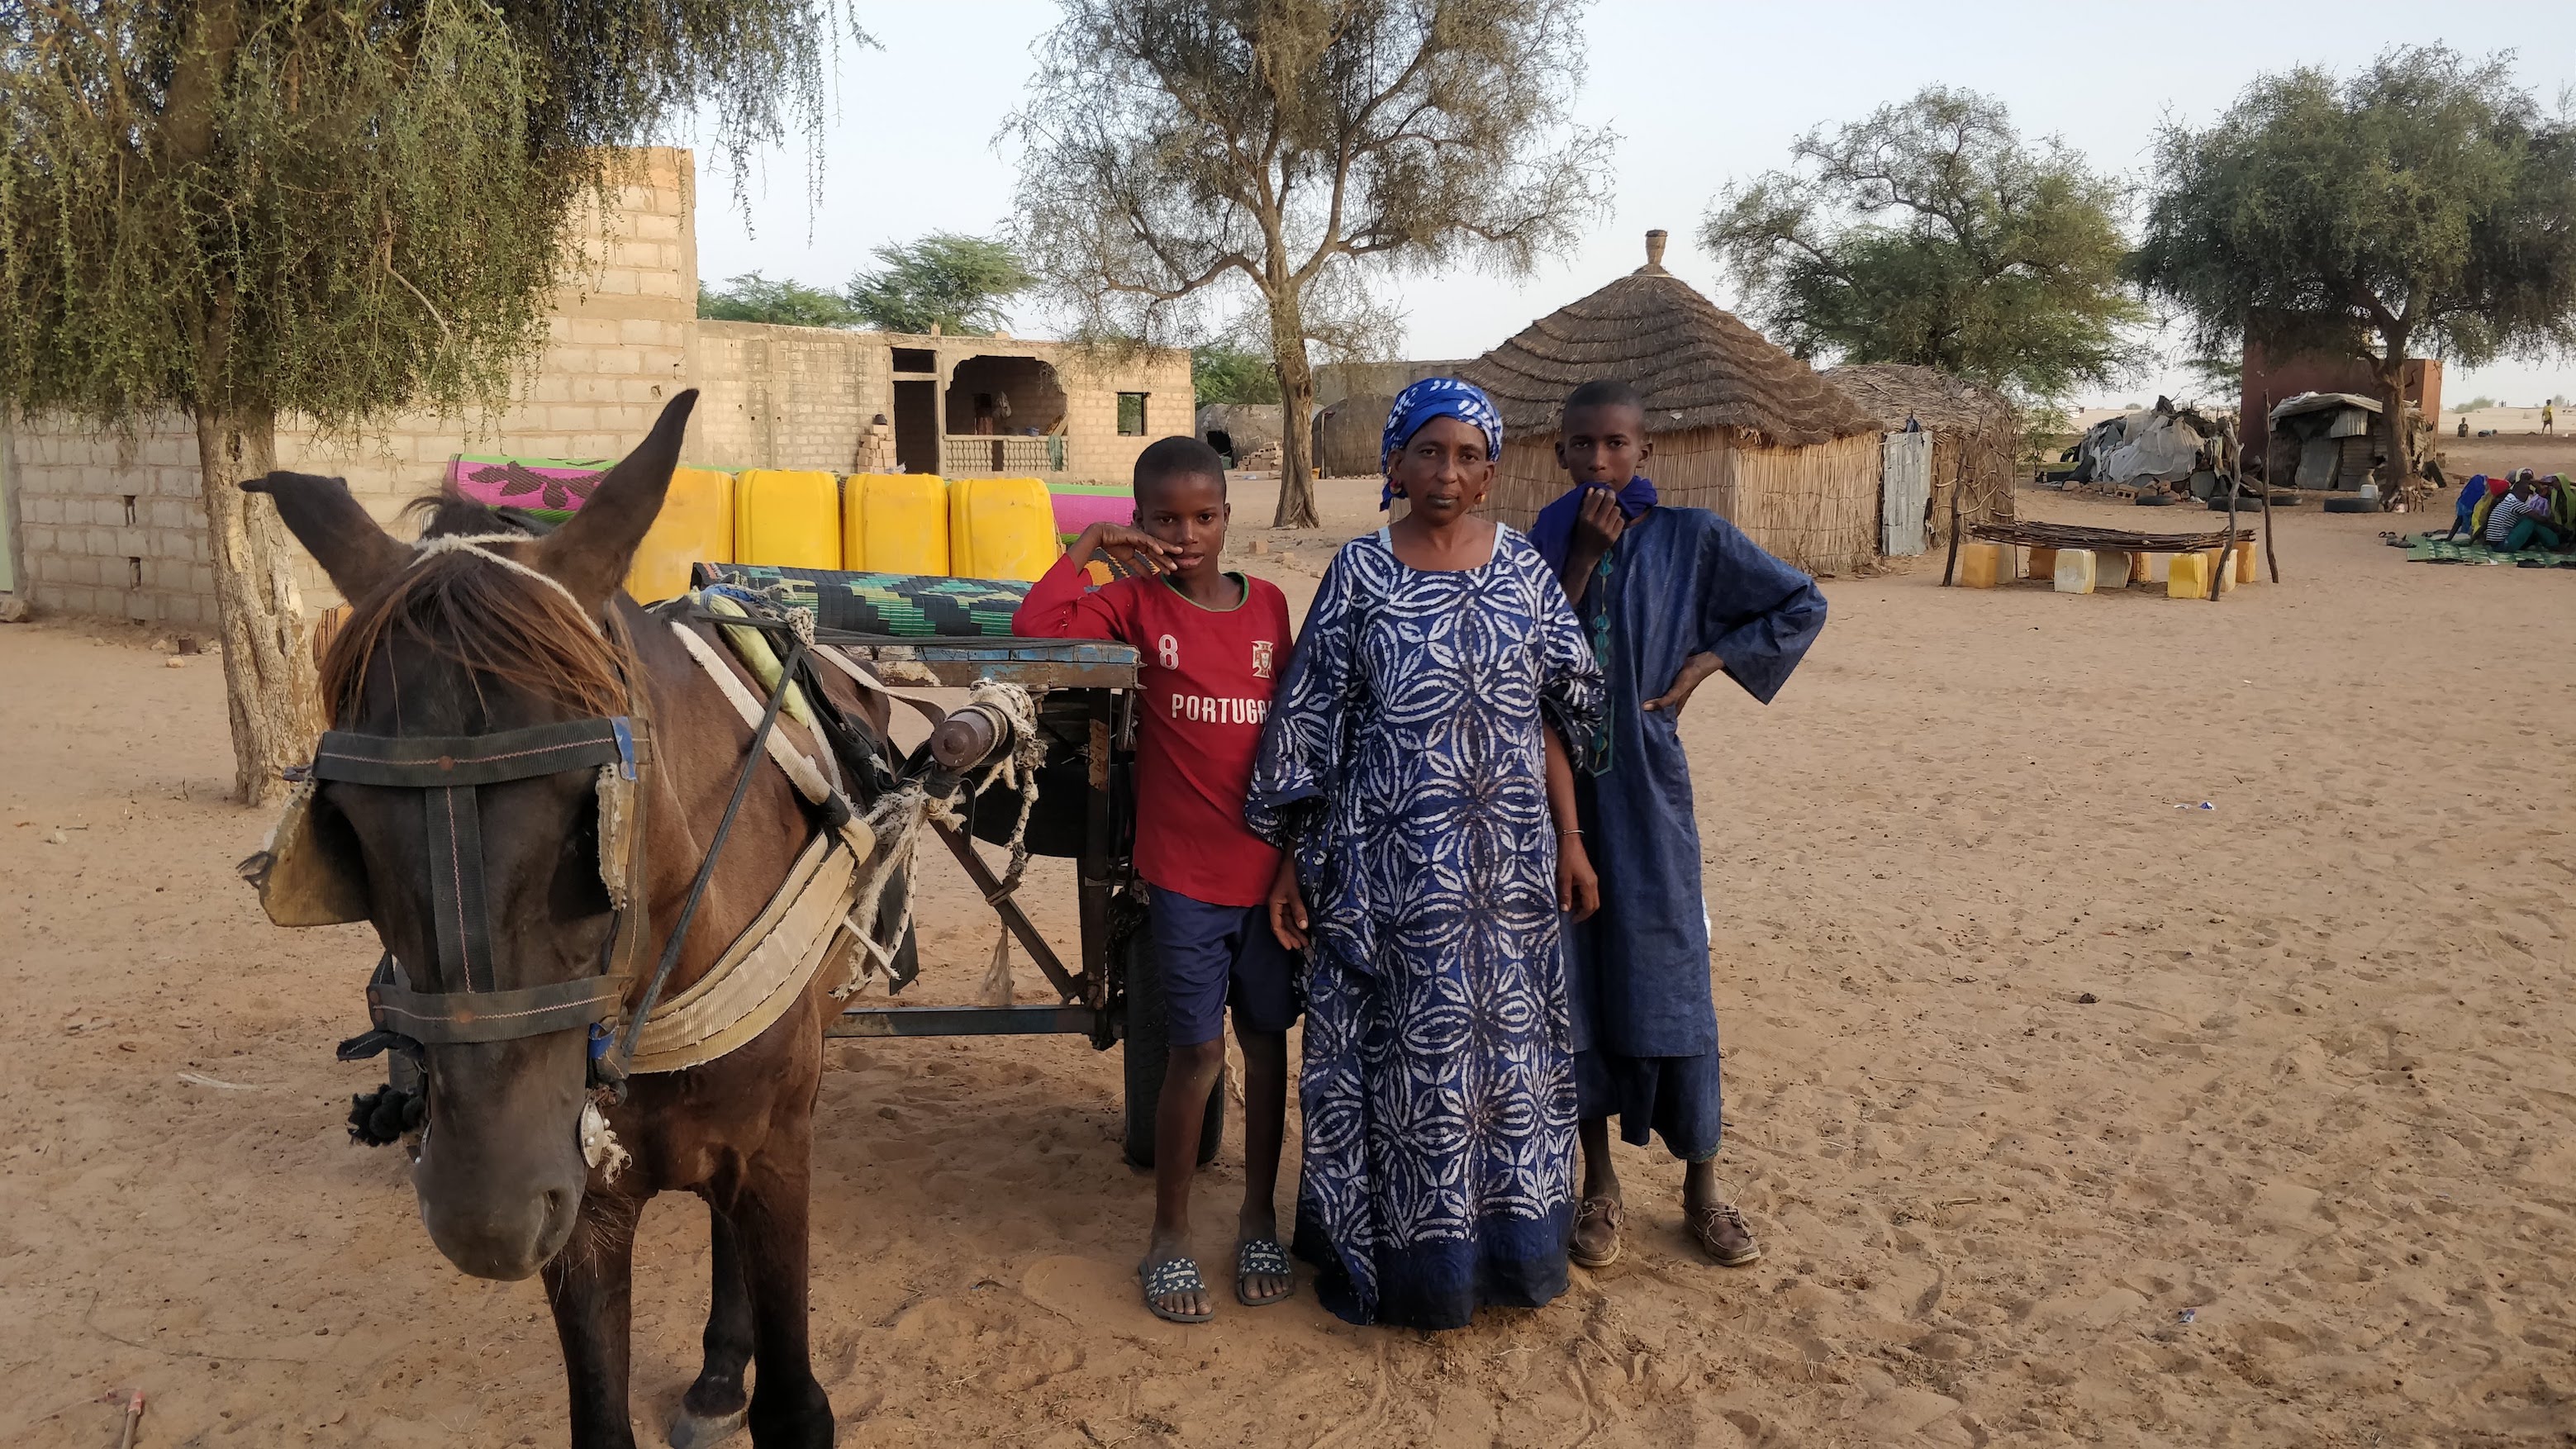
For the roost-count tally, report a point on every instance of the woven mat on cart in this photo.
(907, 606)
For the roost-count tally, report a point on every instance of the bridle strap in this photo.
(430, 762)
(459, 915)
(439, 1018)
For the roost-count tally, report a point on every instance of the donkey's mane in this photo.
(498, 624)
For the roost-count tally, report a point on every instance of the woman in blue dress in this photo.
(1414, 770)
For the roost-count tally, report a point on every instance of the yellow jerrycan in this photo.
(894, 523)
(695, 525)
(1000, 528)
(787, 516)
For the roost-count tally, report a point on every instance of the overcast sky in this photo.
(1700, 94)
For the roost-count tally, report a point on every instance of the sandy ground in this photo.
(2067, 1114)
(2509, 452)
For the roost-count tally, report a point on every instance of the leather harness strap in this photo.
(442, 1017)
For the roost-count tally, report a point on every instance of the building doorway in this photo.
(916, 426)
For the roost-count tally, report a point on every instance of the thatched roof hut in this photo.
(1740, 426)
(1976, 436)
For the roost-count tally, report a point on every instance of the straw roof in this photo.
(1943, 402)
(1696, 366)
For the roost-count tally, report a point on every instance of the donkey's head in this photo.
(481, 856)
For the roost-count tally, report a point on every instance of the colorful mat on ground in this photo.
(2424, 548)
(909, 606)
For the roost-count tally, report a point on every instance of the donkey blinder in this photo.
(309, 872)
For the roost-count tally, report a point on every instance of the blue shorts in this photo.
(1209, 953)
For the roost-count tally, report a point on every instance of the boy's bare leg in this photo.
(1265, 1127)
(1699, 1186)
(1187, 1080)
(1596, 1238)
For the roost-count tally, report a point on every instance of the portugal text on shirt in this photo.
(1213, 709)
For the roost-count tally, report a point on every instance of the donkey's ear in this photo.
(591, 553)
(350, 546)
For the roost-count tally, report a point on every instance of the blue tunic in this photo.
(1680, 581)
(1404, 765)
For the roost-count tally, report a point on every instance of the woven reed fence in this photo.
(1816, 507)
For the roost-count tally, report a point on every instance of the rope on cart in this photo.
(897, 819)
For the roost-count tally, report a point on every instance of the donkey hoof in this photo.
(692, 1431)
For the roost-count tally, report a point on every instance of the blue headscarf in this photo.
(1435, 397)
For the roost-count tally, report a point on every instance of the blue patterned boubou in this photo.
(1404, 765)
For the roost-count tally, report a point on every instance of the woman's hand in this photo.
(1288, 905)
(1578, 890)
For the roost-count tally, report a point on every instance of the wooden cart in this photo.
(1086, 693)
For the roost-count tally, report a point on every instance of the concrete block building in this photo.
(110, 525)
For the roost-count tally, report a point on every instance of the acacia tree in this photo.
(2422, 205)
(1187, 154)
(1932, 233)
(1228, 372)
(236, 209)
(751, 297)
(955, 282)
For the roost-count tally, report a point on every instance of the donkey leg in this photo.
(714, 1406)
(788, 1407)
(590, 1285)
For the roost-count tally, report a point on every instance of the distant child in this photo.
(1211, 643)
(1669, 596)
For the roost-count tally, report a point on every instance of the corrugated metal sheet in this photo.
(1905, 492)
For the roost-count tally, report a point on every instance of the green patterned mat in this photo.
(908, 606)
(2425, 548)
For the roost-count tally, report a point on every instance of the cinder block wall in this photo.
(786, 397)
(622, 339)
(113, 526)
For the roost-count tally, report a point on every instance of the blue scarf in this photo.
(1553, 531)
(1434, 397)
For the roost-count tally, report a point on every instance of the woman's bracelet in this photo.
(1564, 833)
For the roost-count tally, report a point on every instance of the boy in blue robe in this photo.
(1669, 597)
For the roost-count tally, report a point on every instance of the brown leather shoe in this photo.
(1721, 1233)
(1595, 1219)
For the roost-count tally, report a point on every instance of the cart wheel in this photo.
(1148, 1053)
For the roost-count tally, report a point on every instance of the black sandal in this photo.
(1164, 1279)
(1262, 1258)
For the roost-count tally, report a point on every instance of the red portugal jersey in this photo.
(1206, 681)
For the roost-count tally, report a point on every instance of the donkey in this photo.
(508, 634)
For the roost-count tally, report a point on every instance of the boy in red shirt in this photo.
(1211, 643)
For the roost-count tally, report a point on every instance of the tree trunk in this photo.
(2392, 417)
(1296, 411)
(268, 672)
